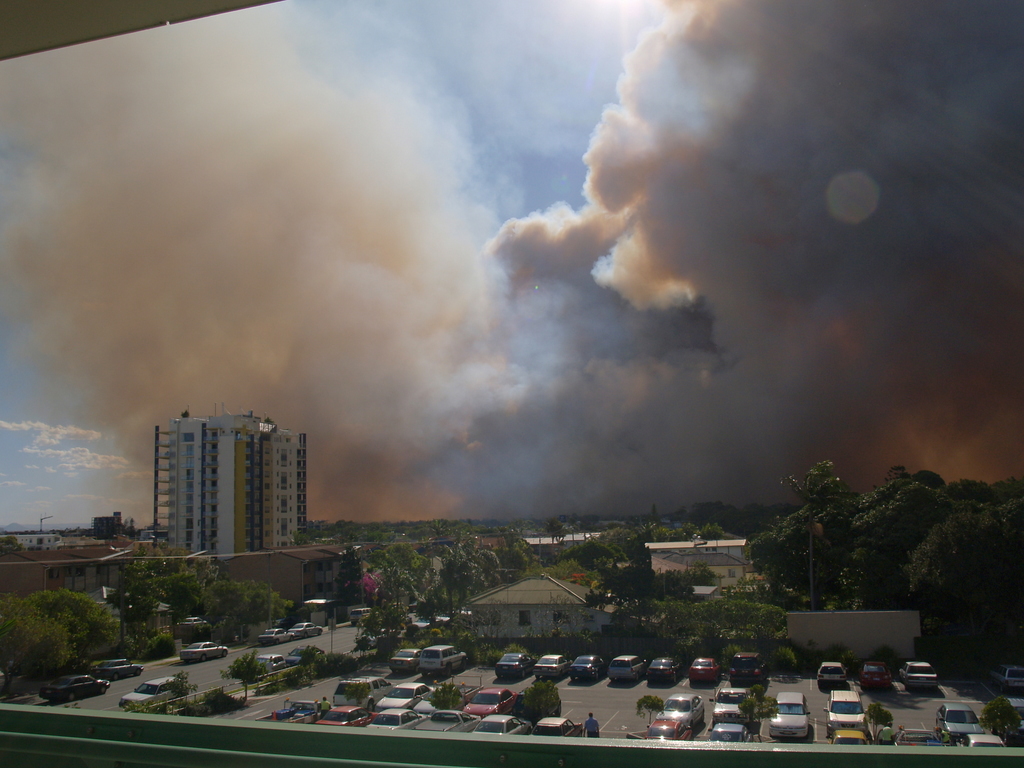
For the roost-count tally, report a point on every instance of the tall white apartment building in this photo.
(229, 483)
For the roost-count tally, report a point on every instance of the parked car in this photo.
(273, 636)
(405, 696)
(202, 652)
(71, 687)
(295, 656)
(958, 720)
(441, 660)
(156, 689)
(705, 670)
(685, 707)
(747, 669)
(514, 665)
(845, 710)
(916, 738)
(918, 674)
(664, 669)
(504, 725)
(379, 688)
(305, 629)
(587, 667)
(727, 706)
(793, 720)
(406, 660)
(669, 730)
(297, 711)
(467, 691)
(831, 673)
(626, 668)
(193, 621)
(1009, 677)
(1015, 736)
(115, 669)
(557, 726)
(355, 717)
(552, 666)
(395, 719)
(358, 614)
(272, 662)
(983, 740)
(491, 701)
(846, 736)
(447, 720)
(730, 732)
(875, 674)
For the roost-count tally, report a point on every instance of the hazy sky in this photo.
(518, 258)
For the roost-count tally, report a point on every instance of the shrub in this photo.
(339, 664)
(731, 650)
(888, 655)
(486, 655)
(839, 652)
(784, 659)
(160, 647)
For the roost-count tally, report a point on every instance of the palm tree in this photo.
(820, 491)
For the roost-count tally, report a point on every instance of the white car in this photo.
(831, 673)
(157, 689)
(686, 707)
(405, 696)
(273, 636)
(503, 725)
(793, 720)
(202, 652)
(845, 710)
(448, 720)
(727, 706)
(394, 719)
(272, 661)
(551, 666)
(305, 629)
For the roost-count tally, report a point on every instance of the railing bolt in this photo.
(131, 734)
(501, 758)
(90, 731)
(561, 762)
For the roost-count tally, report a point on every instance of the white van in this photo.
(626, 668)
(845, 710)
(441, 660)
(357, 614)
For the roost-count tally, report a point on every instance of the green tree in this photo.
(182, 592)
(349, 578)
(541, 699)
(180, 687)
(357, 693)
(680, 584)
(246, 670)
(31, 642)
(243, 603)
(10, 544)
(649, 706)
(88, 627)
(999, 716)
(593, 553)
(877, 716)
(758, 707)
(446, 696)
(823, 494)
(399, 570)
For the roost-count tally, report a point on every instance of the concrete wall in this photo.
(860, 631)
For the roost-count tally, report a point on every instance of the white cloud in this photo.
(73, 459)
(39, 488)
(10, 483)
(137, 475)
(31, 466)
(50, 435)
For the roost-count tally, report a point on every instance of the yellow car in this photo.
(847, 736)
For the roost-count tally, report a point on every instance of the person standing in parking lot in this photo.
(885, 736)
(591, 727)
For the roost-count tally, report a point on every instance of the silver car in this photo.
(685, 707)
(395, 719)
(448, 720)
(503, 725)
(405, 696)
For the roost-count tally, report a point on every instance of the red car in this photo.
(874, 674)
(705, 671)
(347, 715)
(491, 701)
(670, 730)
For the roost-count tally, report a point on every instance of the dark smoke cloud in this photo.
(802, 241)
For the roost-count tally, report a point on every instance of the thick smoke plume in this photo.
(803, 241)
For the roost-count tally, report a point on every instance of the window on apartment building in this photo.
(188, 450)
(524, 618)
(189, 510)
(732, 573)
(188, 437)
(213, 509)
(189, 474)
(557, 617)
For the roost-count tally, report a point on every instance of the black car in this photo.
(514, 665)
(664, 670)
(592, 667)
(747, 669)
(71, 687)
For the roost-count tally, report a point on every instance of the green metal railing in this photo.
(41, 737)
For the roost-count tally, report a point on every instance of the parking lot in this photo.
(614, 703)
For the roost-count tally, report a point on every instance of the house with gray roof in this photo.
(535, 605)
